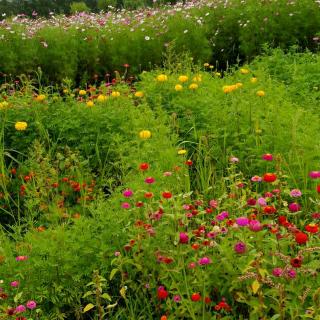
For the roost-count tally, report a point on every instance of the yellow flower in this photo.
(40, 97)
(211, 66)
(244, 71)
(82, 92)
(162, 78)
(115, 94)
(193, 86)
(90, 104)
(102, 98)
(239, 85)
(178, 87)
(182, 151)
(253, 80)
(206, 64)
(3, 105)
(261, 93)
(197, 78)
(65, 91)
(228, 89)
(145, 134)
(183, 79)
(21, 125)
(139, 94)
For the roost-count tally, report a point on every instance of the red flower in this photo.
(267, 157)
(144, 166)
(139, 204)
(196, 297)
(282, 220)
(189, 163)
(222, 305)
(207, 300)
(296, 262)
(162, 293)
(301, 238)
(269, 210)
(269, 177)
(318, 188)
(312, 228)
(148, 195)
(166, 195)
(195, 246)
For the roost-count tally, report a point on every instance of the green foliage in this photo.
(79, 7)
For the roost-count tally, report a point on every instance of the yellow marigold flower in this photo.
(197, 78)
(178, 87)
(261, 93)
(206, 64)
(244, 71)
(90, 104)
(21, 125)
(183, 79)
(193, 86)
(253, 80)
(162, 78)
(115, 94)
(40, 97)
(139, 94)
(228, 89)
(239, 85)
(182, 151)
(82, 92)
(145, 134)
(102, 98)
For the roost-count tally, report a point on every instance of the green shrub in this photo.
(79, 7)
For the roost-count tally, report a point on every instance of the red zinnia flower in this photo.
(269, 177)
(312, 228)
(195, 297)
(189, 163)
(162, 293)
(148, 195)
(318, 188)
(166, 195)
(296, 262)
(144, 166)
(269, 210)
(301, 238)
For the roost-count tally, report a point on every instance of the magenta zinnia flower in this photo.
(149, 180)
(204, 261)
(31, 304)
(125, 205)
(21, 308)
(183, 237)
(127, 193)
(294, 207)
(255, 225)
(242, 221)
(277, 272)
(240, 247)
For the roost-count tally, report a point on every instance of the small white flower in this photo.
(185, 31)
(147, 38)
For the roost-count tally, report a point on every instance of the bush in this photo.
(79, 7)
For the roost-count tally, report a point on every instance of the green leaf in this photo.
(255, 286)
(106, 296)
(17, 297)
(113, 272)
(88, 307)
(88, 293)
(110, 306)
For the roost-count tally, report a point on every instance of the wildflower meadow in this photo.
(160, 161)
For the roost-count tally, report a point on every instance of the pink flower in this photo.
(277, 272)
(267, 157)
(291, 273)
(117, 253)
(255, 225)
(21, 308)
(183, 237)
(240, 247)
(127, 193)
(149, 180)
(31, 304)
(314, 174)
(262, 202)
(176, 298)
(256, 179)
(125, 205)
(21, 258)
(242, 221)
(295, 193)
(167, 174)
(294, 207)
(204, 261)
(192, 265)
(234, 159)
(213, 203)
(223, 215)
(14, 284)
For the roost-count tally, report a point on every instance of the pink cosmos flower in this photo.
(31, 304)
(295, 193)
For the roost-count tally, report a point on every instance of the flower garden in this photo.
(180, 186)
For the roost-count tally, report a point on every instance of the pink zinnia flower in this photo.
(291, 273)
(31, 304)
(204, 261)
(267, 157)
(14, 284)
(242, 221)
(192, 265)
(21, 308)
(127, 193)
(277, 272)
(183, 237)
(240, 247)
(262, 202)
(294, 207)
(176, 298)
(314, 174)
(213, 203)
(295, 193)
(255, 225)
(21, 258)
(256, 179)
(149, 180)
(167, 174)
(125, 205)
(234, 159)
